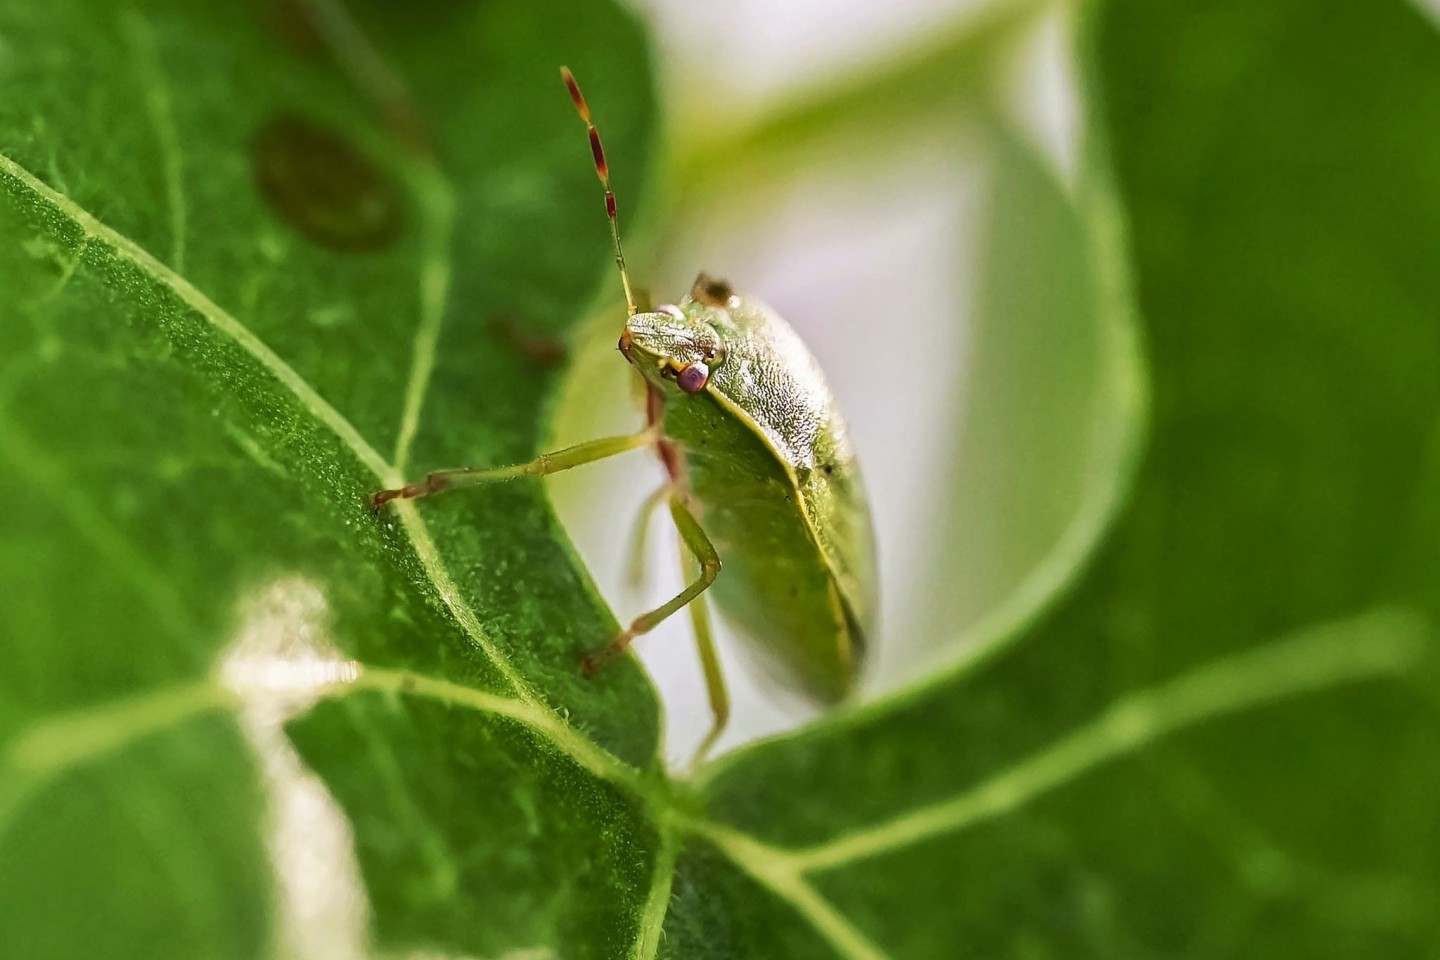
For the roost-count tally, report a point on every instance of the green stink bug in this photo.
(755, 453)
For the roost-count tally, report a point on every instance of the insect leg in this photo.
(639, 534)
(704, 551)
(714, 677)
(546, 463)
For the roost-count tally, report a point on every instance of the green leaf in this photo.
(235, 240)
(1220, 739)
(254, 268)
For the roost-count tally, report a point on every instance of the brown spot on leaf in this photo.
(324, 187)
(545, 351)
(292, 24)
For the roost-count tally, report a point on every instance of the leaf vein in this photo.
(1373, 644)
(532, 714)
(207, 308)
(59, 743)
(780, 872)
(55, 744)
(162, 116)
(657, 904)
(47, 479)
(435, 269)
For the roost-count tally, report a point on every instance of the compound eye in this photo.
(694, 377)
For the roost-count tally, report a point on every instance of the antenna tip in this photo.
(575, 93)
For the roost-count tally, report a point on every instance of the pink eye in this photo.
(693, 378)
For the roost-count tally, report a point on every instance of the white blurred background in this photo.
(876, 246)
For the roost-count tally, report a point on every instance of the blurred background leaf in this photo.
(1059, 793)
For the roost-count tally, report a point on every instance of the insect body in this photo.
(764, 459)
(760, 476)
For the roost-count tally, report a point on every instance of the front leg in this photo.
(546, 463)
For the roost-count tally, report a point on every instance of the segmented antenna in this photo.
(603, 170)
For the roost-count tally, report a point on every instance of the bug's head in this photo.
(674, 347)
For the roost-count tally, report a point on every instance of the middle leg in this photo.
(699, 545)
